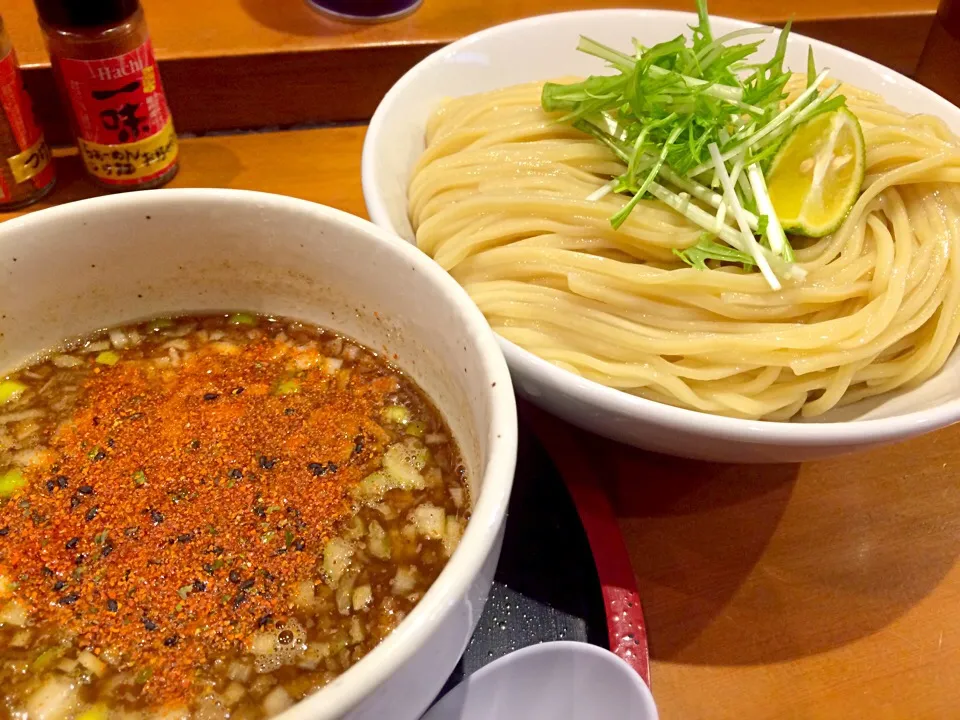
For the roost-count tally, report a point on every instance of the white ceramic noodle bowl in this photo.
(96, 263)
(545, 47)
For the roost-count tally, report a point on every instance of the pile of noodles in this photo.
(499, 199)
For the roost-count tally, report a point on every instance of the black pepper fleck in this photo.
(112, 605)
(85, 490)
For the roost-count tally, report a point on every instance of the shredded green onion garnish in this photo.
(697, 125)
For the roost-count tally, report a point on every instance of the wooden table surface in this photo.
(822, 590)
(219, 58)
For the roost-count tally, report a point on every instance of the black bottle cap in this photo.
(85, 13)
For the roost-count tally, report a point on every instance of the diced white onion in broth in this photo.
(303, 595)
(362, 597)
(54, 700)
(378, 542)
(434, 438)
(452, 534)
(66, 361)
(118, 338)
(263, 643)
(276, 701)
(13, 613)
(233, 694)
(430, 521)
(96, 347)
(92, 663)
(404, 581)
(173, 713)
(344, 594)
(357, 633)
(433, 477)
(336, 559)
(67, 666)
(239, 671)
(269, 650)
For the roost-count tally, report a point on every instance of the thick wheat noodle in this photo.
(500, 199)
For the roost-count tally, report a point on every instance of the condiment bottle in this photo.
(109, 81)
(26, 169)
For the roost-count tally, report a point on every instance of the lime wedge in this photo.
(816, 175)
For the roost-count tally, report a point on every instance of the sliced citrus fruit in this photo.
(816, 175)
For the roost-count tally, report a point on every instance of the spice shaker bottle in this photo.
(109, 81)
(26, 169)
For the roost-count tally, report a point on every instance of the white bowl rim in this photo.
(612, 662)
(490, 508)
(606, 399)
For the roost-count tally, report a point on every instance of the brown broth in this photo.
(211, 516)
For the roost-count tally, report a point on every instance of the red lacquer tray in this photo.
(564, 572)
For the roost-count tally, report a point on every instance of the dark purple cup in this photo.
(366, 10)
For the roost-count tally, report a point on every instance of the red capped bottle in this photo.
(110, 84)
(26, 168)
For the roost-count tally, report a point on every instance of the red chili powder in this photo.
(187, 501)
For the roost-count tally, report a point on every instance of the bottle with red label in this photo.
(109, 81)
(26, 168)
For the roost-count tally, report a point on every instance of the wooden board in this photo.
(221, 58)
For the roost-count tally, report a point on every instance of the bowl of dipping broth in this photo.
(656, 331)
(255, 457)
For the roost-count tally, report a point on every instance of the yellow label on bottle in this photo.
(149, 80)
(131, 163)
(31, 162)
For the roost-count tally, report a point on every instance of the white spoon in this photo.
(551, 681)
